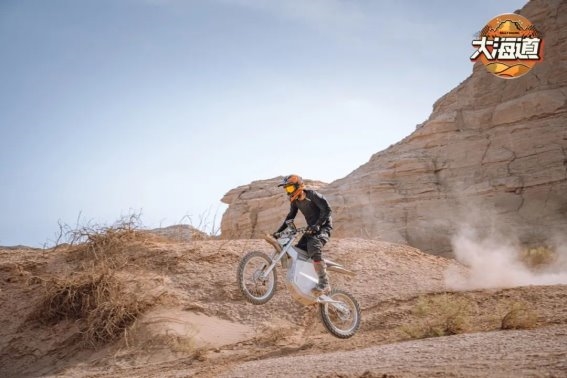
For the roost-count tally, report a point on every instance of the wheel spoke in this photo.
(256, 289)
(342, 319)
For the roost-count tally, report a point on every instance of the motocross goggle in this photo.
(289, 188)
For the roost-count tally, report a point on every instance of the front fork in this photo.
(340, 306)
(275, 260)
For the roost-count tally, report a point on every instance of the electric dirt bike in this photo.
(257, 280)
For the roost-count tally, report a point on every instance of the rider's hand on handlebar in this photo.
(312, 230)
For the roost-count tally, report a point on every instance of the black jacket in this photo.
(314, 208)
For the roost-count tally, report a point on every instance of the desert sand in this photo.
(195, 322)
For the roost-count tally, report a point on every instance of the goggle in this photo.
(289, 189)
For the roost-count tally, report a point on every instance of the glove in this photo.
(312, 230)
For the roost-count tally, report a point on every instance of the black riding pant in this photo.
(313, 244)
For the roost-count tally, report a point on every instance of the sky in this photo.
(160, 107)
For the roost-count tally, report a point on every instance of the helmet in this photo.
(293, 185)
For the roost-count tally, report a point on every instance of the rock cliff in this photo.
(493, 154)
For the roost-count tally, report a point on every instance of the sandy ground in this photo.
(204, 331)
(496, 354)
(200, 325)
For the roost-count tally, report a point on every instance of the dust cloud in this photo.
(494, 261)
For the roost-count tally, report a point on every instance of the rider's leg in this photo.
(314, 245)
(322, 286)
(302, 243)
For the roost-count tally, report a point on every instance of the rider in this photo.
(317, 213)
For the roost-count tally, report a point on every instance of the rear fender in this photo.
(335, 267)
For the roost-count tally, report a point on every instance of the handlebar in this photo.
(291, 230)
(295, 231)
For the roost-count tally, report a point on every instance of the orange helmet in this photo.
(293, 185)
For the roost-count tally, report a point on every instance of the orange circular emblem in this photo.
(508, 46)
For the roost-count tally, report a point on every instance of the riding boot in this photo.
(322, 286)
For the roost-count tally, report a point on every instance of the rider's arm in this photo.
(321, 202)
(291, 215)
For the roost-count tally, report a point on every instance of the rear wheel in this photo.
(341, 319)
(256, 288)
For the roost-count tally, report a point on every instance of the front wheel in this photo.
(341, 319)
(256, 288)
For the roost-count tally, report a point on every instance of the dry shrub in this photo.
(103, 307)
(105, 244)
(439, 316)
(519, 315)
(204, 227)
(538, 257)
(96, 294)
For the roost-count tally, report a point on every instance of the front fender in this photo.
(273, 243)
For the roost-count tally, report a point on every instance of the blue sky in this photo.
(108, 106)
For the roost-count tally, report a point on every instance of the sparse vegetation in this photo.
(439, 316)
(519, 315)
(99, 301)
(538, 257)
(93, 294)
(205, 227)
(103, 245)
(449, 314)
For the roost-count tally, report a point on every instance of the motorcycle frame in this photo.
(301, 277)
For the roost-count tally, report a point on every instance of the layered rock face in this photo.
(492, 155)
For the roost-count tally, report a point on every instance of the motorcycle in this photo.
(257, 280)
